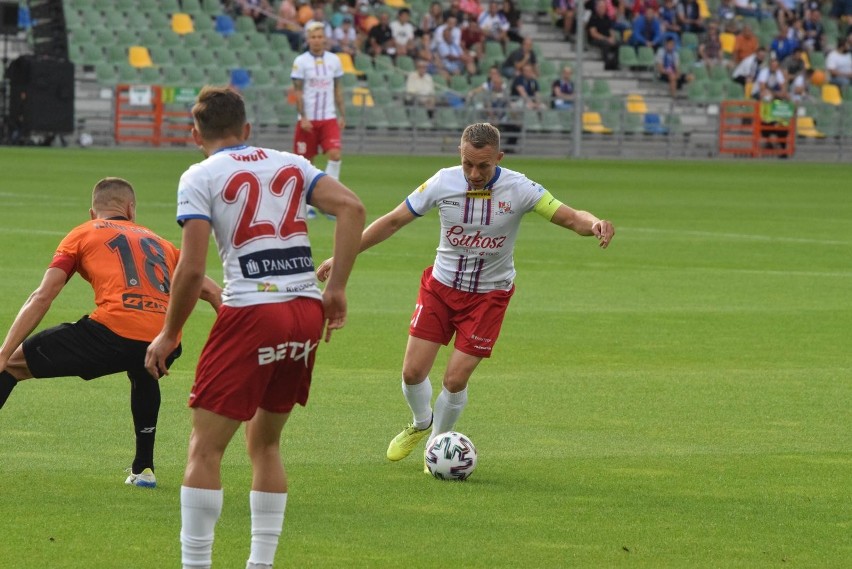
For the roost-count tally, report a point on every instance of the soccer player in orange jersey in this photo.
(130, 270)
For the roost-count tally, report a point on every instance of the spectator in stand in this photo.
(492, 95)
(453, 24)
(749, 9)
(814, 30)
(562, 91)
(494, 24)
(785, 11)
(525, 87)
(523, 55)
(380, 39)
(304, 12)
(563, 11)
(345, 38)
(638, 7)
(689, 16)
(257, 10)
(288, 24)
(364, 22)
(420, 88)
(471, 8)
(647, 31)
(710, 48)
(403, 32)
(513, 16)
(795, 64)
(423, 51)
(432, 19)
(771, 82)
(454, 11)
(799, 92)
(783, 45)
(727, 13)
(749, 68)
(838, 63)
(668, 67)
(452, 59)
(841, 10)
(669, 22)
(601, 34)
(745, 44)
(473, 41)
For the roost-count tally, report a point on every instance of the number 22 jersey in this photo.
(255, 200)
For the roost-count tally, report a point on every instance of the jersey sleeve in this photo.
(424, 198)
(194, 200)
(67, 255)
(530, 193)
(312, 173)
(338, 67)
(297, 72)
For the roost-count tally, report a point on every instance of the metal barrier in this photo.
(141, 116)
(743, 132)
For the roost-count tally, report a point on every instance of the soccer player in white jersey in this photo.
(466, 292)
(258, 359)
(318, 84)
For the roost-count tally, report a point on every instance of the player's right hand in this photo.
(334, 311)
(156, 355)
(324, 270)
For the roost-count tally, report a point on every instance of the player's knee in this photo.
(454, 384)
(334, 154)
(413, 375)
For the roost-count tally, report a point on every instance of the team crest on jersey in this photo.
(266, 287)
(478, 194)
(504, 208)
(422, 187)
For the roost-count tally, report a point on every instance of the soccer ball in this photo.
(451, 456)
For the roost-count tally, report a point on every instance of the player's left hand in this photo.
(604, 232)
(156, 355)
(341, 122)
(334, 310)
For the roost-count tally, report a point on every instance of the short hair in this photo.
(219, 113)
(480, 135)
(314, 26)
(112, 192)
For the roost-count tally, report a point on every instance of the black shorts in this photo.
(86, 349)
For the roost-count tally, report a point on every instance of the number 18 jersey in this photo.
(255, 200)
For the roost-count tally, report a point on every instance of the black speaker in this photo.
(8, 17)
(41, 95)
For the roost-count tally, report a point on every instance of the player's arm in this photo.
(299, 91)
(211, 292)
(339, 102)
(377, 232)
(32, 312)
(579, 221)
(187, 286)
(333, 197)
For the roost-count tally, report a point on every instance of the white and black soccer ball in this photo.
(451, 456)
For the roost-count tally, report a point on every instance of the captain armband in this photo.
(547, 206)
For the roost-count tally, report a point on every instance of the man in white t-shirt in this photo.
(258, 360)
(403, 31)
(838, 63)
(466, 292)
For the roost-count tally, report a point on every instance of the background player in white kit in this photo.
(467, 291)
(257, 362)
(318, 85)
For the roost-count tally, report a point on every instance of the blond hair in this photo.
(481, 134)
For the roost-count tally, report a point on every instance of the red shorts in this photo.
(258, 356)
(325, 134)
(474, 317)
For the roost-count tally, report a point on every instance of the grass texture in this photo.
(682, 399)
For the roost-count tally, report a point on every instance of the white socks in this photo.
(332, 168)
(267, 518)
(200, 510)
(419, 398)
(448, 408)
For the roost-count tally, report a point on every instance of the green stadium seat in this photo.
(149, 75)
(459, 84)
(627, 57)
(227, 58)
(126, 73)
(160, 55)
(192, 7)
(202, 22)
(375, 117)
(245, 25)
(105, 73)
(258, 42)
(204, 58)
(182, 56)
(212, 7)
(172, 75)
(279, 42)
(193, 40)
(363, 62)
(398, 117)
(645, 57)
(420, 118)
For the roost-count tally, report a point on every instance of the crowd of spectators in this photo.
(480, 39)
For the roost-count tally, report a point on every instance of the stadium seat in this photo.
(149, 75)
(182, 23)
(224, 25)
(420, 118)
(404, 63)
(105, 73)
(117, 54)
(245, 25)
(347, 64)
(172, 75)
(139, 56)
(727, 40)
(653, 124)
(593, 123)
(160, 55)
(258, 42)
(636, 104)
(600, 88)
(645, 57)
(192, 7)
(240, 78)
(447, 118)
(831, 94)
(212, 7)
(126, 73)
(375, 117)
(627, 57)
(204, 58)
(689, 40)
(817, 60)
(361, 97)
(805, 127)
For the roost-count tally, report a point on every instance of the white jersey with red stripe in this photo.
(478, 227)
(255, 200)
(318, 74)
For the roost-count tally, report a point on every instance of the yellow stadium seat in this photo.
(396, 4)
(348, 64)
(805, 127)
(592, 123)
(727, 40)
(636, 104)
(182, 23)
(703, 9)
(139, 56)
(831, 94)
(361, 97)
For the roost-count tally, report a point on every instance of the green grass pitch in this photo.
(682, 399)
